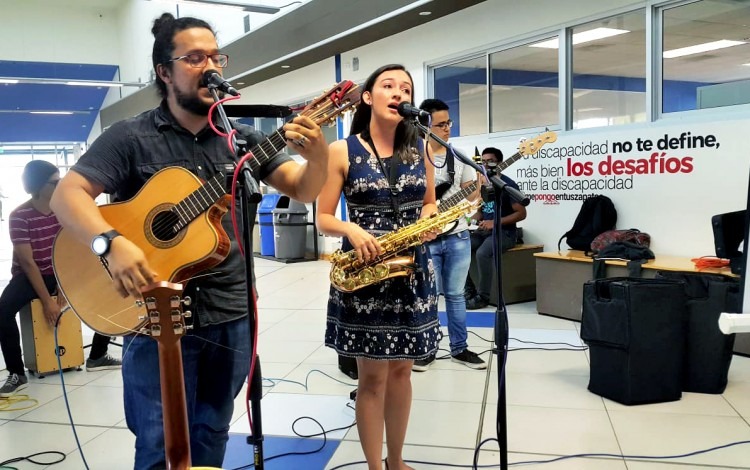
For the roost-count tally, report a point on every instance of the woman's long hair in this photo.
(406, 137)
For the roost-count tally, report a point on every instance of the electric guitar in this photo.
(527, 147)
(176, 220)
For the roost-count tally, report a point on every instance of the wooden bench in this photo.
(560, 277)
(519, 276)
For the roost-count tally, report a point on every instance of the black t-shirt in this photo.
(125, 156)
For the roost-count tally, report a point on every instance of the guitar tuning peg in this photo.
(188, 327)
(187, 301)
(187, 314)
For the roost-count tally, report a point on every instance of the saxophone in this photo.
(349, 274)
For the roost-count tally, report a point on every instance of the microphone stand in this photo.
(501, 315)
(249, 197)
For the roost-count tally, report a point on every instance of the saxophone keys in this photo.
(381, 271)
(366, 276)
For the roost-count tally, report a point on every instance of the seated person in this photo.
(481, 240)
(33, 228)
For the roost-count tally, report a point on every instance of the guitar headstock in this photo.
(532, 146)
(165, 318)
(344, 96)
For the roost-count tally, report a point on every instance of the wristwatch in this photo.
(101, 243)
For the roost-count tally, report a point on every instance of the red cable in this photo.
(710, 262)
(235, 228)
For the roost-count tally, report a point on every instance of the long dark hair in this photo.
(164, 29)
(406, 135)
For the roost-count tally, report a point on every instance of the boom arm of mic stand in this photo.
(252, 190)
(496, 181)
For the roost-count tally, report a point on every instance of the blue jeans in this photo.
(451, 257)
(216, 360)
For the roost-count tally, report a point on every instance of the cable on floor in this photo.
(618, 456)
(324, 433)
(65, 392)
(6, 403)
(31, 459)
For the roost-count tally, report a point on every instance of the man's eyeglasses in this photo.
(444, 125)
(198, 59)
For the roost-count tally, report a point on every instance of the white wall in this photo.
(44, 31)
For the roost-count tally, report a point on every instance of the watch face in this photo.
(99, 245)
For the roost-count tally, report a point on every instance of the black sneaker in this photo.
(477, 302)
(469, 359)
(15, 383)
(422, 365)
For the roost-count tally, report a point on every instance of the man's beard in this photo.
(191, 102)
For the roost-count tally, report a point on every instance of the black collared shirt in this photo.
(125, 156)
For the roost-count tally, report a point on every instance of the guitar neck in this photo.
(195, 204)
(458, 197)
(467, 191)
(263, 151)
(509, 161)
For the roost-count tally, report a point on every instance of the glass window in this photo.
(463, 87)
(524, 89)
(609, 71)
(706, 55)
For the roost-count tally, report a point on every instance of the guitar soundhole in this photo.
(163, 226)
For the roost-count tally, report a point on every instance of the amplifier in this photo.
(38, 339)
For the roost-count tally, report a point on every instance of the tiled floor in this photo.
(550, 412)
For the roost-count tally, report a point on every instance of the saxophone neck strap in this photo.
(391, 175)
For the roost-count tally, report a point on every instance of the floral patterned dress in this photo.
(396, 318)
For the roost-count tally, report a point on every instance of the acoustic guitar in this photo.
(166, 324)
(176, 220)
(525, 148)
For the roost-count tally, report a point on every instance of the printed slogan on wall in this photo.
(575, 172)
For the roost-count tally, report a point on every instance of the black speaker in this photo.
(635, 329)
(348, 365)
(708, 351)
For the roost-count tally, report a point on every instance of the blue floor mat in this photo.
(473, 319)
(239, 453)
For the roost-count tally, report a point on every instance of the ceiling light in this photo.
(698, 48)
(285, 66)
(97, 84)
(8, 80)
(583, 36)
(425, 13)
(51, 112)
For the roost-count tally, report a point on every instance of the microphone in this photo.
(406, 110)
(212, 78)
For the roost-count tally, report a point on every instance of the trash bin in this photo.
(635, 329)
(290, 228)
(708, 351)
(265, 218)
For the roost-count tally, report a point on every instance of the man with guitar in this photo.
(481, 239)
(216, 354)
(451, 251)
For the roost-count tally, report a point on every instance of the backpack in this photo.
(597, 215)
(632, 235)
